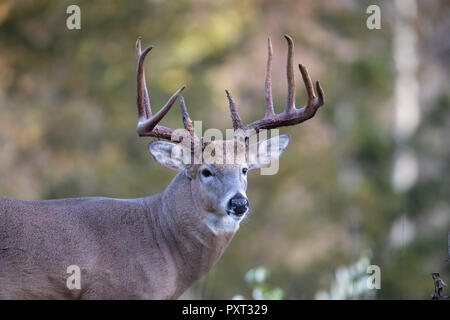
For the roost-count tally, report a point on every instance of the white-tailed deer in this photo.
(147, 248)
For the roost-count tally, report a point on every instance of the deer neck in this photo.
(194, 244)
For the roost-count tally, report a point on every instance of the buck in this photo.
(154, 247)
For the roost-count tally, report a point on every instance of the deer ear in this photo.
(261, 154)
(167, 154)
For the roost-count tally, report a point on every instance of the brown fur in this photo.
(148, 248)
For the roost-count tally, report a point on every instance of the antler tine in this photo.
(320, 92)
(308, 83)
(235, 118)
(148, 123)
(187, 122)
(268, 101)
(143, 101)
(313, 102)
(290, 103)
(291, 115)
(146, 127)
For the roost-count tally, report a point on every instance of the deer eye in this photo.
(244, 170)
(206, 173)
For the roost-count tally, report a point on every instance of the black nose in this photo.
(238, 204)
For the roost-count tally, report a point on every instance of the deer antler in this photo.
(147, 122)
(291, 115)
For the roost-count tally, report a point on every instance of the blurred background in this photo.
(365, 182)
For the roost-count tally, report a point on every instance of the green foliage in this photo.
(256, 279)
(350, 282)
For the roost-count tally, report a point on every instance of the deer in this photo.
(153, 247)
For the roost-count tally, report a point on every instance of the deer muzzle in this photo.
(237, 205)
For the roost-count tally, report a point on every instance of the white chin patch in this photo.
(222, 223)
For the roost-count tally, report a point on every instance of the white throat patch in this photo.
(221, 223)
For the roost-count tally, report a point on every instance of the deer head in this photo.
(219, 185)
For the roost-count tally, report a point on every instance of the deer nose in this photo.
(238, 204)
